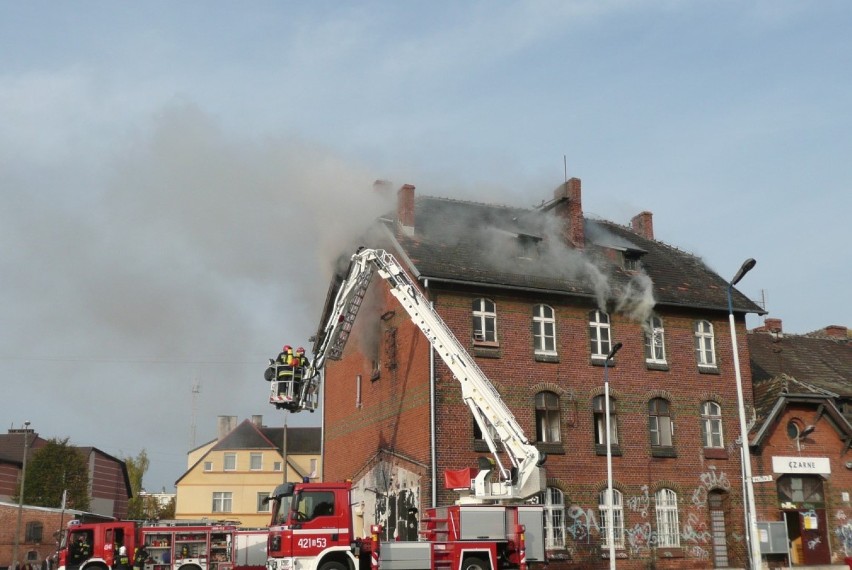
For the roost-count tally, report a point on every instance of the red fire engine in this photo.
(171, 545)
(490, 527)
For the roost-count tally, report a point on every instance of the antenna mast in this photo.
(196, 390)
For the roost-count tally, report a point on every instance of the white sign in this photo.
(804, 465)
(761, 479)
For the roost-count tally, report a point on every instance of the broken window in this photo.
(659, 423)
(599, 406)
(547, 417)
(655, 345)
(484, 321)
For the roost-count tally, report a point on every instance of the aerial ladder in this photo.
(520, 478)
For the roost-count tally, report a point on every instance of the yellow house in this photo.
(230, 477)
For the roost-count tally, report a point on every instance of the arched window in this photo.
(547, 417)
(711, 425)
(599, 406)
(705, 351)
(617, 517)
(553, 501)
(544, 330)
(668, 528)
(655, 341)
(484, 321)
(659, 423)
(599, 337)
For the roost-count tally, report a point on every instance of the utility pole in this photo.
(21, 496)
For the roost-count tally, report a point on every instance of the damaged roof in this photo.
(798, 364)
(507, 247)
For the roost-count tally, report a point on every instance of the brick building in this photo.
(109, 484)
(802, 437)
(39, 532)
(539, 297)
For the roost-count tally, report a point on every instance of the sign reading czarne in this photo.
(807, 465)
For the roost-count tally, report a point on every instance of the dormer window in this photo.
(630, 260)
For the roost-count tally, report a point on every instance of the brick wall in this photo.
(394, 416)
(28, 551)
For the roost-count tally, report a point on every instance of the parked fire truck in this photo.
(171, 545)
(490, 526)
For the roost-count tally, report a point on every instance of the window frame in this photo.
(599, 411)
(658, 427)
(255, 455)
(541, 322)
(655, 342)
(709, 420)
(547, 417)
(705, 344)
(668, 518)
(552, 500)
(34, 532)
(208, 466)
(261, 506)
(223, 502)
(599, 327)
(227, 458)
(483, 313)
(617, 515)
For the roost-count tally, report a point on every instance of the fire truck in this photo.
(489, 527)
(171, 545)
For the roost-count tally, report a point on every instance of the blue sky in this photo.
(177, 176)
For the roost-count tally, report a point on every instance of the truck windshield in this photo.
(280, 510)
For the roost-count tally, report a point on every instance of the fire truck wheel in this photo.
(333, 566)
(474, 563)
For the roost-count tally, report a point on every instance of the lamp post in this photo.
(21, 497)
(750, 508)
(610, 534)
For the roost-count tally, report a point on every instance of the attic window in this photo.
(528, 245)
(630, 260)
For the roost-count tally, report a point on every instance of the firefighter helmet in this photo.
(300, 350)
(286, 348)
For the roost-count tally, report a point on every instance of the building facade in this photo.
(109, 483)
(540, 297)
(801, 442)
(231, 477)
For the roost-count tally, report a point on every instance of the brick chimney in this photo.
(836, 331)
(571, 212)
(643, 224)
(772, 325)
(225, 425)
(257, 420)
(405, 209)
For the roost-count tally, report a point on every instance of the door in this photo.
(802, 500)
(814, 537)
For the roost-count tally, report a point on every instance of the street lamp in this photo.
(751, 509)
(610, 533)
(21, 497)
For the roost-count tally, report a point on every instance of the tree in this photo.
(57, 467)
(136, 469)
